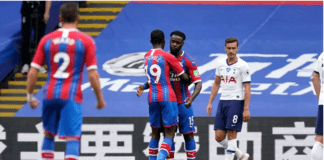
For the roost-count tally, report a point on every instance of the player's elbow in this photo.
(93, 75)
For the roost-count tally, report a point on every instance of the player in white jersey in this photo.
(317, 151)
(232, 73)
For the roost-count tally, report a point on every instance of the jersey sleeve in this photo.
(193, 71)
(245, 73)
(90, 54)
(217, 72)
(39, 58)
(318, 65)
(174, 64)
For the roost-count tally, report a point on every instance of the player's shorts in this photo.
(229, 115)
(63, 117)
(319, 121)
(163, 114)
(185, 119)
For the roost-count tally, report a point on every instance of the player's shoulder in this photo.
(242, 62)
(321, 56)
(186, 55)
(222, 60)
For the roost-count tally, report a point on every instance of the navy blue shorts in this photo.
(319, 121)
(229, 115)
(63, 117)
(163, 114)
(185, 119)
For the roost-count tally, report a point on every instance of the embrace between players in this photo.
(67, 49)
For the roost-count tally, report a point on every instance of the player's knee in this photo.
(219, 138)
(188, 137)
(48, 135)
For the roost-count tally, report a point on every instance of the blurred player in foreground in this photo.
(233, 107)
(65, 50)
(317, 151)
(162, 100)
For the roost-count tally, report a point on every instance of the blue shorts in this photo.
(229, 115)
(163, 114)
(63, 117)
(185, 119)
(319, 121)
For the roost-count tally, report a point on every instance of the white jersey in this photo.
(232, 78)
(319, 69)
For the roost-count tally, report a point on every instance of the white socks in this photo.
(317, 151)
(224, 143)
(231, 149)
(238, 152)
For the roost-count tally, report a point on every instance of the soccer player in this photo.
(317, 151)
(65, 50)
(162, 100)
(233, 107)
(185, 112)
(184, 100)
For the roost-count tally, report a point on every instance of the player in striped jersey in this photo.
(65, 50)
(318, 80)
(162, 100)
(185, 111)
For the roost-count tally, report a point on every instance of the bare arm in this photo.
(47, 10)
(185, 77)
(195, 93)
(316, 84)
(31, 80)
(213, 94)
(141, 89)
(95, 84)
(31, 83)
(247, 97)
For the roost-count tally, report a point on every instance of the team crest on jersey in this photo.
(131, 64)
(228, 69)
(196, 73)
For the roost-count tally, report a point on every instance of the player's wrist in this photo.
(144, 86)
(30, 97)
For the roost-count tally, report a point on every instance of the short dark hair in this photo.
(231, 40)
(157, 36)
(178, 33)
(69, 12)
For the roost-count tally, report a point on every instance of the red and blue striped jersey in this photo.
(65, 52)
(157, 68)
(190, 66)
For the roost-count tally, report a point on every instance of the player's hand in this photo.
(246, 115)
(34, 103)
(140, 90)
(209, 109)
(101, 104)
(188, 102)
(46, 17)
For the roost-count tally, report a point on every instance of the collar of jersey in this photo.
(69, 29)
(232, 63)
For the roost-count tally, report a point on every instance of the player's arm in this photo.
(141, 88)
(95, 84)
(37, 63)
(213, 94)
(316, 83)
(195, 93)
(93, 75)
(31, 83)
(247, 97)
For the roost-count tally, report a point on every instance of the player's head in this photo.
(69, 13)
(231, 47)
(157, 38)
(176, 41)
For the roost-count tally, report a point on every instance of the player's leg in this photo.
(219, 124)
(187, 127)
(190, 146)
(234, 122)
(155, 122)
(50, 120)
(70, 128)
(169, 114)
(317, 151)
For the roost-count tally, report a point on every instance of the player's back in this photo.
(66, 51)
(157, 68)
